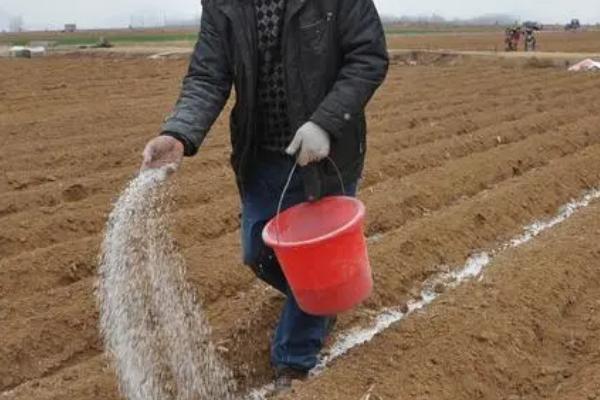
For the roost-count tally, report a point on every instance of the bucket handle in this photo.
(289, 182)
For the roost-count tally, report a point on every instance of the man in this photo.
(303, 71)
(512, 39)
(530, 41)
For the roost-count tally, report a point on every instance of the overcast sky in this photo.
(39, 14)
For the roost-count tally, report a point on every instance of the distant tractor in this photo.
(573, 26)
(535, 26)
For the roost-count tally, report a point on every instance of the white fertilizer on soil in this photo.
(153, 327)
(474, 267)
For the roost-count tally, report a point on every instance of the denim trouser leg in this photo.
(299, 336)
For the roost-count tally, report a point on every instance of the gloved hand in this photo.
(161, 151)
(312, 141)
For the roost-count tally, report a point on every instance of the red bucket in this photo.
(323, 253)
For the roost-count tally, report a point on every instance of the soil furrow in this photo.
(408, 164)
(472, 344)
(413, 253)
(85, 221)
(415, 244)
(463, 153)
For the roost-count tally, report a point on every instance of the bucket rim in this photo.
(272, 242)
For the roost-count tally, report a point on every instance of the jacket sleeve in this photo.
(365, 65)
(205, 89)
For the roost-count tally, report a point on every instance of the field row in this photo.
(569, 42)
(449, 171)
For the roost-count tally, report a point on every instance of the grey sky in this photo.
(39, 14)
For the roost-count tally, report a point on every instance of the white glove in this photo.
(312, 141)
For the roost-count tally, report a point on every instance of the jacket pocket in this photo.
(313, 34)
(312, 25)
(316, 59)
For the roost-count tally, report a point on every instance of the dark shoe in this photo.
(284, 377)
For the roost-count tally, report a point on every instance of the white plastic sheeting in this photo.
(586, 65)
(27, 52)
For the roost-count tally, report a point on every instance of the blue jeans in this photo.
(298, 337)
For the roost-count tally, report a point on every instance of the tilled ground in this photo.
(461, 157)
(554, 41)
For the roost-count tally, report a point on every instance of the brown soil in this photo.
(556, 41)
(529, 330)
(458, 161)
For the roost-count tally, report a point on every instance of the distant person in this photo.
(512, 38)
(530, 40)
(303, 72)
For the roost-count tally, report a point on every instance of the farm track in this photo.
(448, 172)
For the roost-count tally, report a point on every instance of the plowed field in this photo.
(548, 41)
(461, 157)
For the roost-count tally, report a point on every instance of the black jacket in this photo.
(334, 55)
